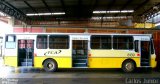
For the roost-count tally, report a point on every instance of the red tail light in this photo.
(138, 54)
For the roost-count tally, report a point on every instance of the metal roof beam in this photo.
(158, 5)
(46, 5)
(30, 6)
(141, 5)
(12, 11)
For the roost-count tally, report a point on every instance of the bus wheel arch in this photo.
(129, 65)
(50, 65)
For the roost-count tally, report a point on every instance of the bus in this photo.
(52, 51)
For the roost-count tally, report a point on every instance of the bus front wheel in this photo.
(50, 65)
(128, 66)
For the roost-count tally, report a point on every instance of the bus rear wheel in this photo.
(128, 66)
(50, 65)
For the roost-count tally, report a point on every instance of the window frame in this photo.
(123, 36)
(68, 41)
(37, 42)
(14, 41)
(110, 36)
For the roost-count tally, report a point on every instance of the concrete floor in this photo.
(30, 75)
(78, 76)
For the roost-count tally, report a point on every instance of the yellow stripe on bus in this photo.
(10, 61)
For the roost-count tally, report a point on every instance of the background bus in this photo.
(53, 51)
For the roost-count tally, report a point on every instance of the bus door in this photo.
(25, 52)
(80, 52)
(145, 53)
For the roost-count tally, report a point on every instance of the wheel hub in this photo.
(50, 66)
(129, 66)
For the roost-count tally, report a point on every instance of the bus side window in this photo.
(10, 41)
(42, 42)
(136, 45)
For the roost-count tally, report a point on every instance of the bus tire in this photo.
(128, 66)
(50, 65)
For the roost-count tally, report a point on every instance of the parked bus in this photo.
(64, 50)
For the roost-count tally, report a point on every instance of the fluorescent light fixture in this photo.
(118, 17)
(59, 13)
(127, 11)
(113, 11)
(40, 14)
(99, 11)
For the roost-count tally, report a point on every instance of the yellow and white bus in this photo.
(65, 50)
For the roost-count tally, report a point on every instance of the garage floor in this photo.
(25, 75)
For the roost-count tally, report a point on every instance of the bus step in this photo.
(80, 60)
(79, 57)
(144, 59)
(26, 63)
(79, 65)
(27, 60)
(144, 63)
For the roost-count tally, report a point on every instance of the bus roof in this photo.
(74, 34)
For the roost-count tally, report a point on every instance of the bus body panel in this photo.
(53, 52)
(11, 61)
(111, 58)
(111, 62)
(113, 53)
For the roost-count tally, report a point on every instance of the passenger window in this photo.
(123, 42)
(42, 41)
(10, 41)
(58, 42)
(101, 42)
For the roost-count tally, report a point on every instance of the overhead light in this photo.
(113, 11)
(99, 11)
(117, 17)
(127, 11)
(59, 13)
(40, 14)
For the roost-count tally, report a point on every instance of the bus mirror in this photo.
(136, 45)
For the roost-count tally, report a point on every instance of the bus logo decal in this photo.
(52, 52)
(130, 54)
